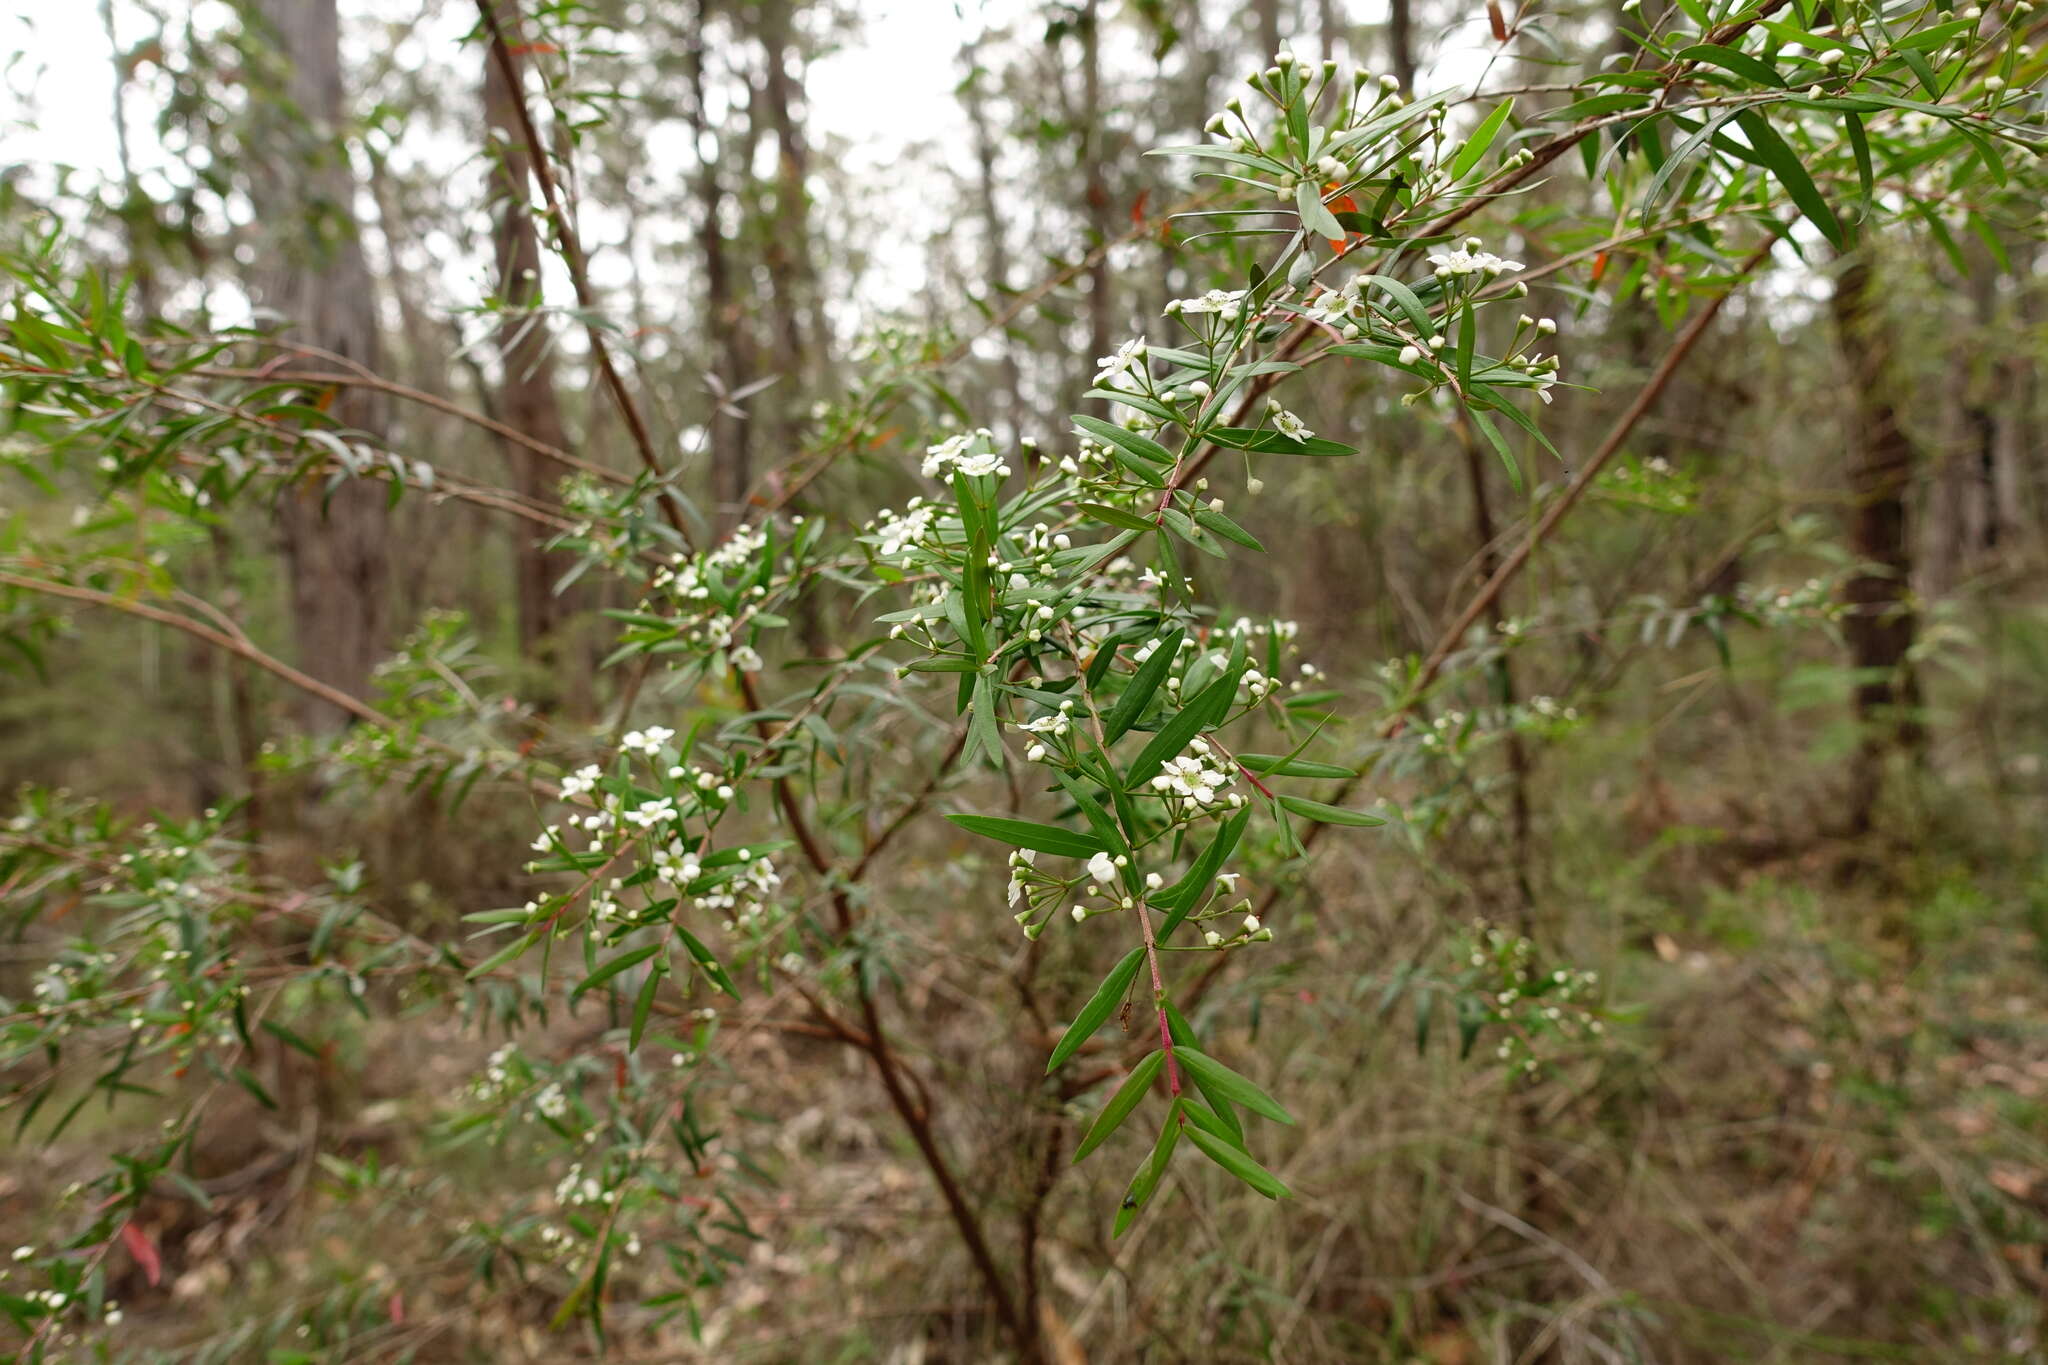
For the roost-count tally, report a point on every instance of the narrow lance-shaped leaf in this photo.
(1785, 166)
(1209, 706)
(1150, 1172)
(1233, 1087)
(1329, 815)
(1482, 138)
(1238, 1164)
(1144, 683)
(1098, 1009)
(1067, 843)
(607, 970)
(1127, 1098)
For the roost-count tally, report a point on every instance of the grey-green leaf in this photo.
(1067, 843)
(1217, 1077)
(1144, 683)
(1127, 1097)
(1238, 1164)
(1329, 815)
(1099, 1007)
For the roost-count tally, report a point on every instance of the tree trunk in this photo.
(730, 461)
(526, 395)
(995, 245)
(1401, 43)
(1267, 12)
(1880, 625)
(334, 543)
(1096, 182)
(798, 340)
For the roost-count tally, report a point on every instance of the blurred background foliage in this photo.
(1812, 886)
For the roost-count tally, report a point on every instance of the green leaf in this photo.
(1329, 815)
(1150, 1172)
(1680, 155)
(1238, 1164)
(1404, 297)
(1209, 706)
(982, 734)
(1922, 71)
(1091, 811)
(1276, 765)
(1223, 526)
(707, 961)
(1481, 140)
(1316, 215)
(1183, 1035)
(246, 1078)
(1127, 1098)
(1099, 1007)
(1773, 149)
(1500, 447)
(1028, 834)
(643, 1005)
(1266, 441)
(612, 968)
(1110, 434)
(1215, 1076)
(1866, 176)
(1209, 1121)
(290, 1039)
(1144, 683)
(1740, 63)
(1185, 894)
(501, 957)
(1116, 516)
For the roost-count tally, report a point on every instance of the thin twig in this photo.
(571, 250)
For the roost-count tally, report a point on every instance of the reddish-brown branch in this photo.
(571, 249)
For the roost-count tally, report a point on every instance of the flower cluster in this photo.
(1507, 990)
(1196, 777)
(971, 453)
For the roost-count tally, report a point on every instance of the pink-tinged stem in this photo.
(1159, 998)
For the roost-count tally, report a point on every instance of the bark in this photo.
(1487, 538)
(1096, 181)
(1881, 623)
(994, 240)
(335, 543)
(1267, 14)
(1401, 43)
(526, 394)
(730, 459)
(798, 327)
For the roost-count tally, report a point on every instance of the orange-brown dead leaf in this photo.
(143, 1250)
(1343, 203)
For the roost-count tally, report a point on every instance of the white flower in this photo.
(1127, 358)
(1410, 354)
(745, 659)
(648, 741)
(1251, 924)
(1213, 939)
(1462, 262)
(1226, 302)
(1288, 425)
(953, 453)
(1102, 868)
